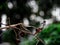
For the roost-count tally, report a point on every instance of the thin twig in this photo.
(14, 25)
(10, 26)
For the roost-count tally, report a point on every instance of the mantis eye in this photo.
(44, 21)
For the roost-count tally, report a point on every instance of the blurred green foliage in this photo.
(9, 36)
(51, 35)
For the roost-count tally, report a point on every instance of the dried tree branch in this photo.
(22, 29)
(14, 25)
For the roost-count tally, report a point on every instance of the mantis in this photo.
(22, 29)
